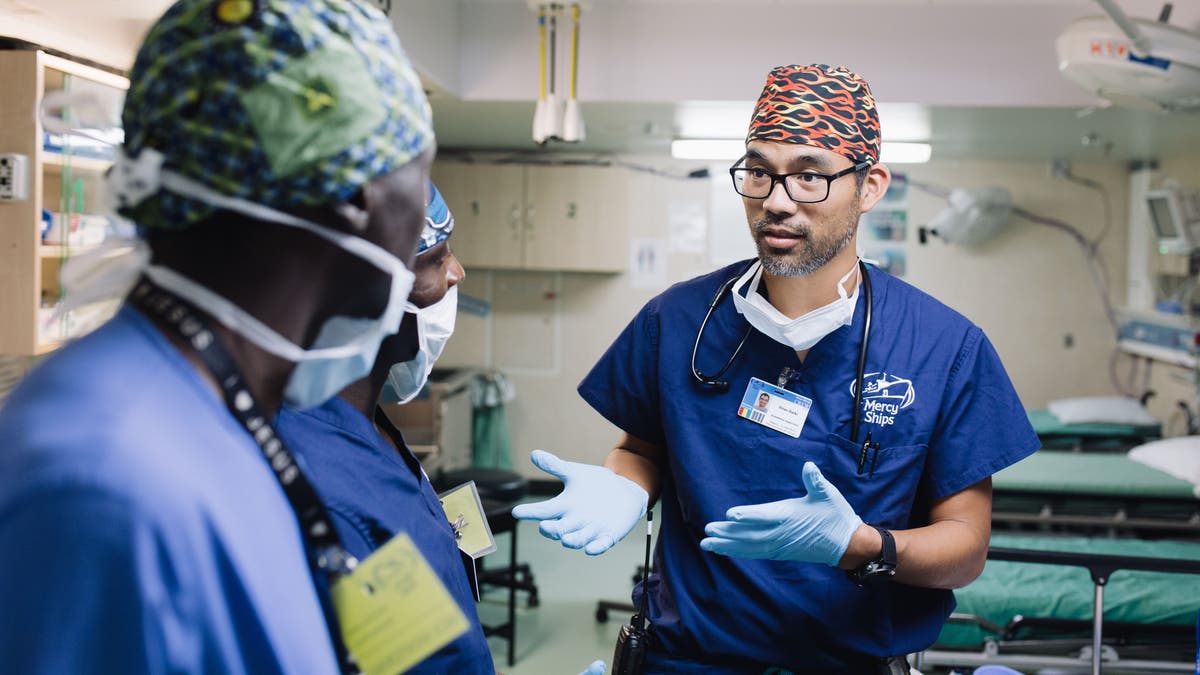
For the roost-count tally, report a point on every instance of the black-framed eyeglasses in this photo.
(804, 187)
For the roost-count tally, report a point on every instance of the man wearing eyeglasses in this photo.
(823, 535)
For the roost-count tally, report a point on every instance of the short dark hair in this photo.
(860, 176)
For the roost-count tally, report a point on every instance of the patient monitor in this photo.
(1175, 216)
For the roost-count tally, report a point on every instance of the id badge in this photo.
(774, 407)
(394, 611)
(466, 516)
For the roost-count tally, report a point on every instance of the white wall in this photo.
(1027, 289)
(428, 29)
(936, 53)
(109, 39)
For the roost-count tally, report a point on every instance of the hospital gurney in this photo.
(1035, 606)
(1093, 494)
(1092, 436)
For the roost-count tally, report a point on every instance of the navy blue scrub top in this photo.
(936, 398)
(143, 532)
(374, 491)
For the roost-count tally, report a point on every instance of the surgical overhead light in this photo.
(554, 119)
(1133, 62)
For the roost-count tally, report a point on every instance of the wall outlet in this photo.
(1060, 168)
(14, 178)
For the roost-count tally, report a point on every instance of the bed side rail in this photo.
(1100, 566)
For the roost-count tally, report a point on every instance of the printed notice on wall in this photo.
(648, 263)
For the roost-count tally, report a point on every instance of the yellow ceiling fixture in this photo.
(553, 118)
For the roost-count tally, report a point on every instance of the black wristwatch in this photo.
(883, 567)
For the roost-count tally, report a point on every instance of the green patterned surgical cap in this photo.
(279, 102)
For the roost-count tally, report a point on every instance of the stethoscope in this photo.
(720, 385)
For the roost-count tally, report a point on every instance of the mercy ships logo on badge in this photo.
(884, 396)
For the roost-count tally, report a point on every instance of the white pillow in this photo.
(1102, 410)
(1179, 457)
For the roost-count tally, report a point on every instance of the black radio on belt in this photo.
(630, 653)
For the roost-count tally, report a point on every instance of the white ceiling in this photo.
(146, 10)
(980, 72)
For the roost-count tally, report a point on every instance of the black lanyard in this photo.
(325, 550)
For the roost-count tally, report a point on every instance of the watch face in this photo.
(882, 568)
(873, 569)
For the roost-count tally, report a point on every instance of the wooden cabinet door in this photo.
(549, 209)
(487, 203)
(537, 217)
(599, 238)
(581, 219)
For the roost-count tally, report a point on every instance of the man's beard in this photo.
(811, 251)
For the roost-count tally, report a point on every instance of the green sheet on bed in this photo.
(1090, 474)
(1046, 425)
(1006, 589)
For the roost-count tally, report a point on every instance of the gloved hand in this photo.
(595, 510)
(814, 528)
(596, 668)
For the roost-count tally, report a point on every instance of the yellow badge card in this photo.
(465, 513)
(394, 611)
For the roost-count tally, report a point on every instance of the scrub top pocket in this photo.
(883, 493)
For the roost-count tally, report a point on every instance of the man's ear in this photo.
(875, 185)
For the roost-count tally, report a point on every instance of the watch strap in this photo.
(882, 566)
(888, 555)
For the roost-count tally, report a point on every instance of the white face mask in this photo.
(345, 348)
(435, 325)
(802, 332)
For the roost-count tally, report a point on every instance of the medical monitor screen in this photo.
(1163, 217)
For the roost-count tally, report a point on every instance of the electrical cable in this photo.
(1098, 187)
(1097, 270)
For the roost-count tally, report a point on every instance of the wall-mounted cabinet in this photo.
(564, 218)
(60, 215)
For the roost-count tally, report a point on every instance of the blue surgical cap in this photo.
(439, 222)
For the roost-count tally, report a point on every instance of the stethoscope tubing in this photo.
(717, 384)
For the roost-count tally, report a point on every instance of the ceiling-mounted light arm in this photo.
(547, 115)
(554, 117)
(541, 53)
(539, 110)
(553, 46)
(572, 127)
(1127, 26)
(574, 46)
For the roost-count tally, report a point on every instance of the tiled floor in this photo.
(562, 636)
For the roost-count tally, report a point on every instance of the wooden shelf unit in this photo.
(29, 270)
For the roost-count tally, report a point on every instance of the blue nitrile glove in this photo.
(596, 668)
(814, 528)
(595, 510)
